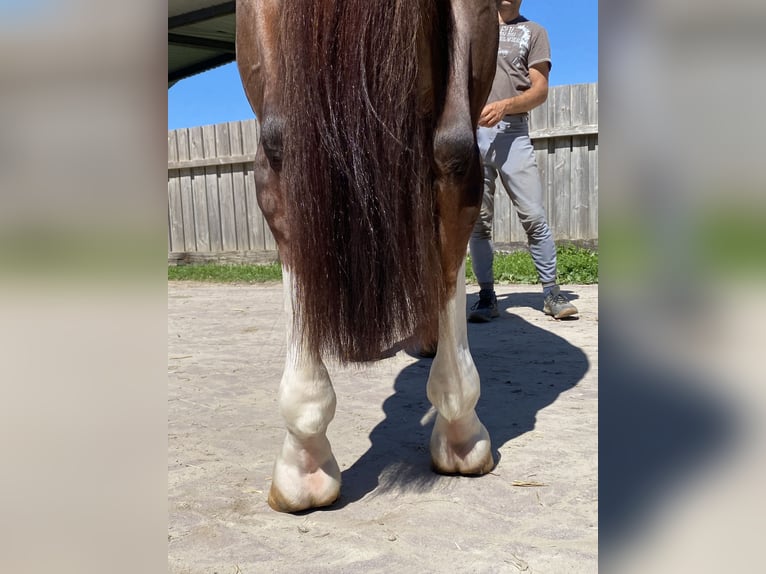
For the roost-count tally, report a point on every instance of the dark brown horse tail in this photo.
(358, 175)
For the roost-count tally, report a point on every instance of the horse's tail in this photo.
(358, 175)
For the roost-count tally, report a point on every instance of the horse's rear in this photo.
(369, 177)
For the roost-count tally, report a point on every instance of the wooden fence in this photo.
(213, 213)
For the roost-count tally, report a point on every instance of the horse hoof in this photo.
(293, 490)
(281, 503)
(461, 447)
(464, 467)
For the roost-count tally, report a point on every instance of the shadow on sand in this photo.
(657, 427)
(523, 369)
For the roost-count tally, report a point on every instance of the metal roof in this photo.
(200, 36)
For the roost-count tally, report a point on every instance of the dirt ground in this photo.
(537, 512)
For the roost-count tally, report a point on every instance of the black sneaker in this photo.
(557, 305)
(485, 309)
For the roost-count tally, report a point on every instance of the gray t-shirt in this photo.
(522, 44)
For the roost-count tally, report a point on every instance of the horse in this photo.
(368, 175)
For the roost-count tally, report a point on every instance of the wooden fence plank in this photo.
(187, 203)
(211, 190)
(226, 191)
(538, 117)
(578, 104)
(578, 186)
(559, 220)
(250, 137)
(175, 205)
(199, 193)
(579, 183)
(238, 189)
(592, 103)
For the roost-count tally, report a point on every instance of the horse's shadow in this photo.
(523, 369)
(658, 427)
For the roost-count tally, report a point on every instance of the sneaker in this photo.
(485, 309)
(557, 305)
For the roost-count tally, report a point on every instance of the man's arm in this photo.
(524, 102)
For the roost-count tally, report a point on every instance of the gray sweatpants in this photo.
(507, 150)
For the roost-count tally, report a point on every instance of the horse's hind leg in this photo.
(460, 443)
(306, 474)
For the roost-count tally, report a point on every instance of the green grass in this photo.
(576, 266)
(216, 273)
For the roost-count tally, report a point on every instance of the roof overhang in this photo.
(201, 36)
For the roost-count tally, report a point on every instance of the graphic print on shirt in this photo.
(518, 35)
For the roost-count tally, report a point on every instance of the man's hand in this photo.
(521, 103)
(492, 113)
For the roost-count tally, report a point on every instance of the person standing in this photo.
(520, 85)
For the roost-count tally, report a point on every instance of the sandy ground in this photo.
(536, 512)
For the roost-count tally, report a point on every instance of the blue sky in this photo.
(217, 96)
